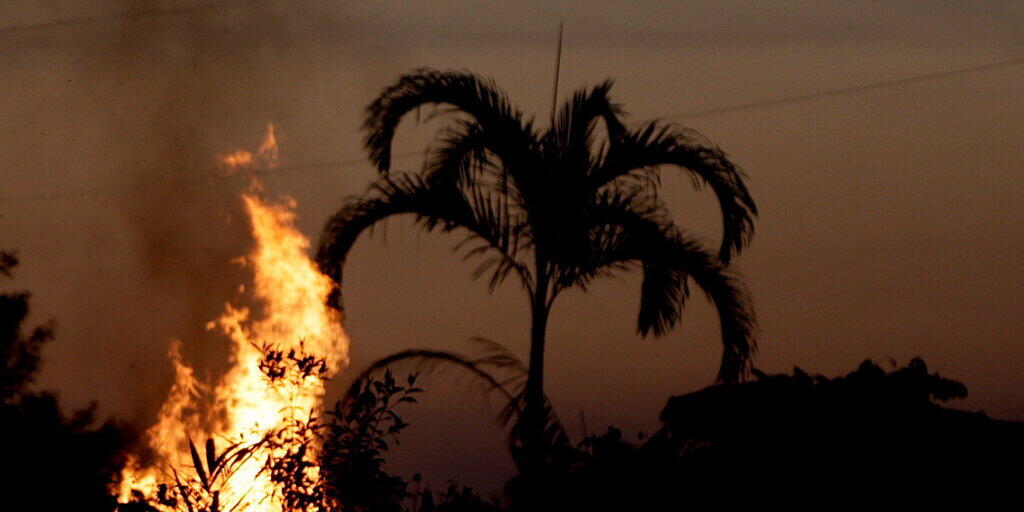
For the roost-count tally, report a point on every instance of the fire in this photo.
(244, 406)
(266, 155)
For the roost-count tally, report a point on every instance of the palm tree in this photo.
(557, 208)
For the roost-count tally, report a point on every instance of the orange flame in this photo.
(243, 407)
(266, 155)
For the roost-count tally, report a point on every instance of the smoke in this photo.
(205, 82)
(198, 85)
(145, 96)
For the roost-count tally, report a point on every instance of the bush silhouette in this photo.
(52, 460)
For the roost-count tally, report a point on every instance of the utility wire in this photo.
(684, 115)
(845, 90)
(133, 14)
(283, 169)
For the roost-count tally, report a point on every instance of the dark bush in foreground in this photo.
(869, 431)
(807, 439)
(51, 460)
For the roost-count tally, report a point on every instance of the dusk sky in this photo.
(890, 217)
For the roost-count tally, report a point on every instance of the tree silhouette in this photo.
(54, 460)
(557, 208)
(19, 351)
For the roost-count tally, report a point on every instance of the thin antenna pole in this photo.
(558, 67)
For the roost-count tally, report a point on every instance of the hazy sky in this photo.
(890, 218)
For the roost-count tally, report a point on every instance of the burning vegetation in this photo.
(255, 424)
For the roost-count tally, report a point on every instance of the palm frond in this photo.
(424, 362)
(461, 150)
(658, 144)
(493, 218)
(388, 197)
(486, 370)
(435, 207)
(570, 139)
(466, 92)
(605, 223)
(465, 156)
(664, 291)
(669, 258)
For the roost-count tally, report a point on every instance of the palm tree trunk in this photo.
(534, 406)
(533, 409)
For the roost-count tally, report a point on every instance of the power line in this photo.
(845, 90)
(107, 189)
(134, 14)
(684, 115)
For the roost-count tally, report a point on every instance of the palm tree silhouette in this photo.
(557, 209)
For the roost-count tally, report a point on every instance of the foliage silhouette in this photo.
(557, 209)
(496, 371)
(499, 372)
(454, 498)
(818, 437)
(355, 441)
(200, 489)
(43, 448)
(809, 438)
(19, 351)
